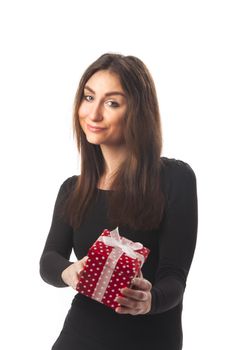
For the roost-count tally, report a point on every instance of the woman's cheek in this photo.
(83, 110)
(82, 124)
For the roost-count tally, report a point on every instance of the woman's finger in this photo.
(141, 283)
(140, 274)
(137, 295)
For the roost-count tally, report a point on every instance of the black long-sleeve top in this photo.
(171, 247)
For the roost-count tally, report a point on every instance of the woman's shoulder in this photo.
(177, 172)
(68, 184)
(176, 166)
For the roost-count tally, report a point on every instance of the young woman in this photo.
(124, 182)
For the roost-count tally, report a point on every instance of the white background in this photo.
(45, 47)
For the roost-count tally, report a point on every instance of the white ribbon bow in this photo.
(127, 246)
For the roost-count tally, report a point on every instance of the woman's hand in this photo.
(71, 274)
(135, 301)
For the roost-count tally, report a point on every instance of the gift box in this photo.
(113, 261)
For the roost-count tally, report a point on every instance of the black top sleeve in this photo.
(59, 243)
(177, 238)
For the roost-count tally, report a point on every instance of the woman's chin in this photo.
(93, 140)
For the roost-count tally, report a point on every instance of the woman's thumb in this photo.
(84, 260)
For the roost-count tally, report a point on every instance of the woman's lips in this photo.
(94, 129)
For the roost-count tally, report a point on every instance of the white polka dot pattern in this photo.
(107, 270)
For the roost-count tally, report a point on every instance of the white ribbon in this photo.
(127, 246)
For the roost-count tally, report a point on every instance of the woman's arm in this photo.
(176, 248)
(55, 257)
(177, 240)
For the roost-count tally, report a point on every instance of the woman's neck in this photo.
(113, 157)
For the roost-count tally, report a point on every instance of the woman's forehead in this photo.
(106, 82)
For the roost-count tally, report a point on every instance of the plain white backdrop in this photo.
(45, 47)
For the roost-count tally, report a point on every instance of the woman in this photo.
(124, 182)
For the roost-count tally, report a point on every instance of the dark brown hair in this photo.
(137, 200)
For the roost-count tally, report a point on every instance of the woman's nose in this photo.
(96, 112)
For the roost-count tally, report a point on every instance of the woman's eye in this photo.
(87, 97)
(112, 104)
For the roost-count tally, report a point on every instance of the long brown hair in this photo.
(137, 200)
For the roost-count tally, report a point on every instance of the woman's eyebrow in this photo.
(110, 93)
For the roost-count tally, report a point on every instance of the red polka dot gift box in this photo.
(113, 261)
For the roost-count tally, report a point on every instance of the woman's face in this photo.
(103, 109)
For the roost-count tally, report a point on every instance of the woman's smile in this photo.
(95, 128)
